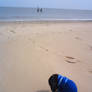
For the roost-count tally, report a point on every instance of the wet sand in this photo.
(31, 51)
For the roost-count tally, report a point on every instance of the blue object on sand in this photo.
(66, 85)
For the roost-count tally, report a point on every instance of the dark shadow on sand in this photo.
(43, 91)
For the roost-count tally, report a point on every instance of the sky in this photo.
(63, 4)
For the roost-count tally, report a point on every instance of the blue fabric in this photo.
(66, 85)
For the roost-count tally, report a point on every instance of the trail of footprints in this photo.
(68, 59)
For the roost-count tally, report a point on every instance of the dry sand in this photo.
(31, 51)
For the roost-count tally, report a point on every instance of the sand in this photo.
(32, 51)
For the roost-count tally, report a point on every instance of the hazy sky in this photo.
(66, 4)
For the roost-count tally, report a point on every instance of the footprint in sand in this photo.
(90, 72)
(44, 49)
(78, 38)
(70, 59)
(12, 31)
(71, 30)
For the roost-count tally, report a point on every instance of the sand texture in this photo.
(32, 51)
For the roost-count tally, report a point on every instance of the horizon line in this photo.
(43, 8)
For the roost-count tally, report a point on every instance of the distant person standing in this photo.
(41, 10)
(37, 9)
(59, 83)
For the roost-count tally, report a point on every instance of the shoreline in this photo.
(48, 20)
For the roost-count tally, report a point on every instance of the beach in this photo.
(30, 52)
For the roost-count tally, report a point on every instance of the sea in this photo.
(36, 14)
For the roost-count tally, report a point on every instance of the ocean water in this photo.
(30, 14)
